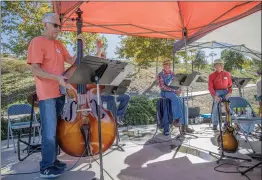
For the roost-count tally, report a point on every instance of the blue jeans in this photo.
(222, 94)
(179, 109)
(111, 105)
(50, 110)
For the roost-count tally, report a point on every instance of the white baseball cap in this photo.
(51, 18)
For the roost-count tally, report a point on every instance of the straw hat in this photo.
(219, 61)
(166, 61)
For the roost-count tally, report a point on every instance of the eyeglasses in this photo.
(55, 25)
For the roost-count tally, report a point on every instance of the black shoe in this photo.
(214, 127)
(119, 121)
(59, 164)
(166, 133)
(185, 129)
(50, 173)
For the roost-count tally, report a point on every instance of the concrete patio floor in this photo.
(162, 158)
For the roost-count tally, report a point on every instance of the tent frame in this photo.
(218, 45)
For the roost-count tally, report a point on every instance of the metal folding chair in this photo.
(246, 125)
(15, 114)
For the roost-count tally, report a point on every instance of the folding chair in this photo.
(246, 125)
(17, 112)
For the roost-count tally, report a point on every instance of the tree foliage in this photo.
(143, 50)
(233, 60)
(200, 60)
(70, 39)
(22, 21)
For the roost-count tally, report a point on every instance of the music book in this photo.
(240, 82)
(117, 90)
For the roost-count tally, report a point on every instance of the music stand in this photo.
(240, 83)
(185, 80)
(101, 72)
(117, 90)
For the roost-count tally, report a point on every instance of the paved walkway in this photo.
(144, 158)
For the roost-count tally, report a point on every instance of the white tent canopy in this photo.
(218, 45)
(246, 31)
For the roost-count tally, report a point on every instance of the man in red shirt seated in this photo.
(220, 87)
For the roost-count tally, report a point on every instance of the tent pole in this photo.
(185, 40)
(174, 55)
(157, 64)
(186, 123)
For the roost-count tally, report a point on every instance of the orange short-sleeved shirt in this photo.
(50, 54)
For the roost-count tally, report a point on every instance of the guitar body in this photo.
(230, 143)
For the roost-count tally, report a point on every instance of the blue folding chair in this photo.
(17, 112)
(237, 104)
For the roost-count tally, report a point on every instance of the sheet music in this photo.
(184, 80)
(121, 76)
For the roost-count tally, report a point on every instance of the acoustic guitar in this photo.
(230, 142)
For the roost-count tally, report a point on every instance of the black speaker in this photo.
(193, 112)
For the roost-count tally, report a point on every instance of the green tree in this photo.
(143, 51)
(233, 60)
(70, 39)
(200, 60)
(22, 21)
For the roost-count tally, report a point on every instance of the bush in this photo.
(141, 111)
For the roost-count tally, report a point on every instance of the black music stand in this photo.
(185, 80)
(222, 155)
(240, 83)
(101, 72)
(117, 90)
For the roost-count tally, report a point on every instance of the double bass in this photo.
(79, 134)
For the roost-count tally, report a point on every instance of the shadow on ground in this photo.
(178, 167)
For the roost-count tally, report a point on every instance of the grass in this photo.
(17, 82)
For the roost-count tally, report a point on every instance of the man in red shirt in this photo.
(220, 87)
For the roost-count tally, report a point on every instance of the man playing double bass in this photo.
(220, 87)
(179, 109)
(47, 55)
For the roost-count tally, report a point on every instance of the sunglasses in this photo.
(56, 25)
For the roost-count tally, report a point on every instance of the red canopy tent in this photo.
(174, 20)
(153, 19)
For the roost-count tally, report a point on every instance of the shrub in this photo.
(141, 111)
